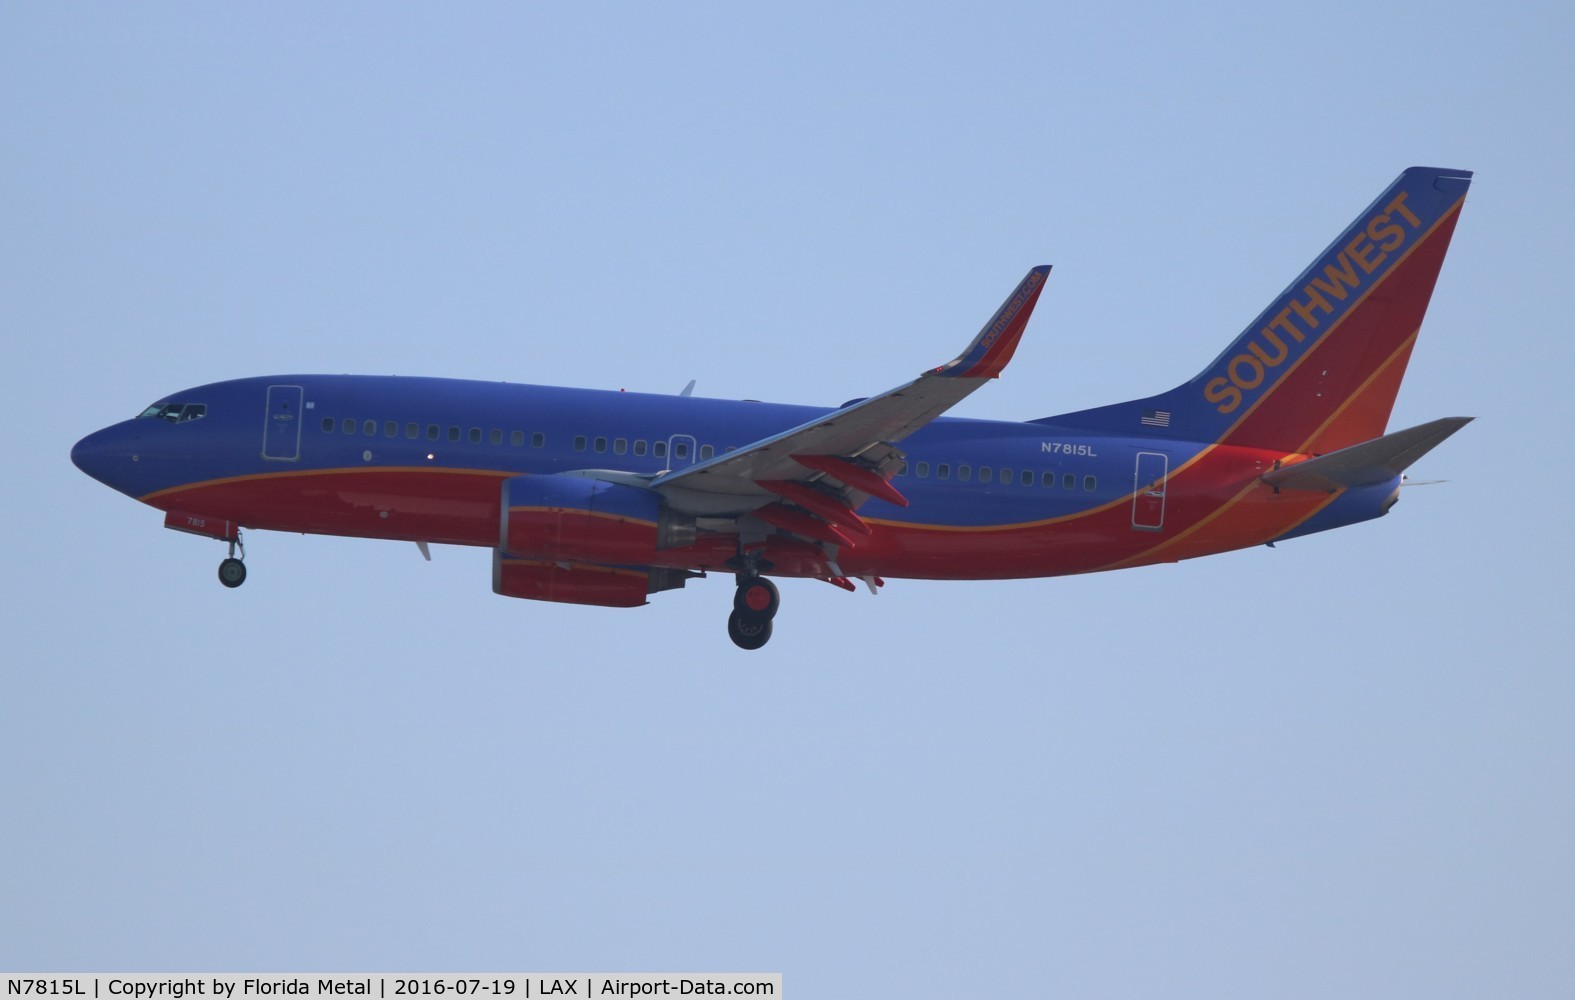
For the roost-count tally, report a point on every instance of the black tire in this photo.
(757, 599)
(748, 634)
(232, 573)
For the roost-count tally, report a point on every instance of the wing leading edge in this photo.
(823, 469)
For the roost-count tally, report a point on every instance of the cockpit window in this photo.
(176, 413)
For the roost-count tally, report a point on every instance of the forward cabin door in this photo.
(1148, 490)
(282, 431)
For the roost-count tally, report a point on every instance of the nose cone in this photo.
(104, 456)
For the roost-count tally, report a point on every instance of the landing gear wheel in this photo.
(232, 573)
(748, 634)
(757, 599)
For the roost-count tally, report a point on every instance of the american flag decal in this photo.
(1156, 418)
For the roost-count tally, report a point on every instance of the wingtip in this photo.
(990, 351)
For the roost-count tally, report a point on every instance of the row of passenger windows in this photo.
(434, 432)
(639, 447)
(1025, 477)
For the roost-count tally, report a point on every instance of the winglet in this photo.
(1365, 464)
(993, 348)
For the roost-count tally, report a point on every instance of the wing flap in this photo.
(799, 523)
(861, 478)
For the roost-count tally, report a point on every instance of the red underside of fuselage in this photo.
(463, 508)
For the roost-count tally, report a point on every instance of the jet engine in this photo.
(579, 583)
(577, 540)
(579, 519)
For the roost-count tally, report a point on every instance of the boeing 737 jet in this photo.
(604, 498)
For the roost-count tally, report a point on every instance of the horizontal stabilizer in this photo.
(1366, 464)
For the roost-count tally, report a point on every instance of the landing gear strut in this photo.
(232, 571)
(754, 605)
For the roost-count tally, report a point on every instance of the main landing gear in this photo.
(754, 605)
(232, 571)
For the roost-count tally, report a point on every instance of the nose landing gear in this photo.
(754, 605)
(232, 571)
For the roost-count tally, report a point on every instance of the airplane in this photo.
(607, 497)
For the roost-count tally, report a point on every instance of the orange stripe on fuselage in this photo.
(449, 506)
(1376, 335)
(151, 499)
(1215, 500)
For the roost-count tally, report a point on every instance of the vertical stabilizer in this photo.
(1319, 369)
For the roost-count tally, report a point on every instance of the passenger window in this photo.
(496, 437)
(1069, 482)
(1026, 478)
(391, 428)
(986, 474)
(681, 449)
(639, 446)
(620, 446)
(538, 439)
(1089, 482)
(432, 432)
(579, 442)
(1048, 480)
(922, 470)
(659, 449)
(328, 425)
(517, 439)
(965, 472)
(475, 435)
(453, 433)
(1006, 477)
(369, 428)
(348, 426)
(706, 451)
(412, 431)
(601, 445)
(943, 471)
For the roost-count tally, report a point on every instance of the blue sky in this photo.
(1342, 767)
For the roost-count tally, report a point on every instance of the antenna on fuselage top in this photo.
(688, 389)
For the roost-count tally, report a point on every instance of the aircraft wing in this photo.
(849, 454)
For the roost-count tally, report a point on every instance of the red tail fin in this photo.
(1319, 369)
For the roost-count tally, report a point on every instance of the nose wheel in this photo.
(232, 571)
(754, 605)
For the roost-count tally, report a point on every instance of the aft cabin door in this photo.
(282, 432)
(1148, 491)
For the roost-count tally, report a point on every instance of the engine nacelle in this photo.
(577, 519)
(574, 583)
